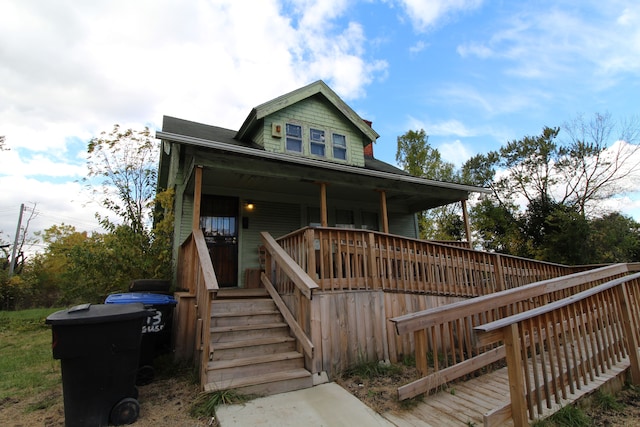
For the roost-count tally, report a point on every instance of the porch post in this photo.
(197, 197)
(323, 204)
(383, 211)
(467, 226)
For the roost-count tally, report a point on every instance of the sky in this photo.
(473, 74)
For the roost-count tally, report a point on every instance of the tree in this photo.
(416, 156)
(614, 238)
(125, 164)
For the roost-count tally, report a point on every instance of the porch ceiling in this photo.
(251, 175)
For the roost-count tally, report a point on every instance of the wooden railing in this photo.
(347, 259)
(562, 347)
(196, 275)
(443, 340)
(285, 277)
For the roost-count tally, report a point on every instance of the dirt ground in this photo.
(163, 403)
(167, 402)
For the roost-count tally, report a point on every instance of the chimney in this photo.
(368, 149)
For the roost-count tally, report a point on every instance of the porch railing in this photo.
(564, 346)
(347, 259)
(444, 345)
(197, 276)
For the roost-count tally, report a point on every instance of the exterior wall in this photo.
(276, 218)
(403, 225)
(312, 112)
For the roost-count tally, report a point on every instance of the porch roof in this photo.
(346, 181)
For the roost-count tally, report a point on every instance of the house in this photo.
(301, 168)
(302, 159)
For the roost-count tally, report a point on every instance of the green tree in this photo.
(416, 156)
(545, 189)
(614, 238)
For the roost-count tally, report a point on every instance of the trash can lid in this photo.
(145, 298)
(97, 313)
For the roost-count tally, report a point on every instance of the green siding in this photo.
(403, 225)
(276, 218)
(312, 112)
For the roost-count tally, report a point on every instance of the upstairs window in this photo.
(339, 146)
(316, 138)
(294, 138)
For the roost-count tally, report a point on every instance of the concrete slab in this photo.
(325, 405)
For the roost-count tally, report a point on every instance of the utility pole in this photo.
(15, 242)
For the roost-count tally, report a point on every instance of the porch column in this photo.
(467, 226)
(197, 197)
(383, 211)
(323, 204)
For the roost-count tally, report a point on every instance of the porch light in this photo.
(249, 205)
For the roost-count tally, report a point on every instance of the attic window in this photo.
(294, 138)
(339, 146)
(316, 137)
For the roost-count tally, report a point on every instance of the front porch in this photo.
(340, 292)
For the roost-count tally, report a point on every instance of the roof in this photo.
(317, 88)
(216, 138)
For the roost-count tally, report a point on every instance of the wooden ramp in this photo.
(483, 401)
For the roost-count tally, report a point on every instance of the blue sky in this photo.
(474, 74)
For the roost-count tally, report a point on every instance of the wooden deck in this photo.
(466, 403)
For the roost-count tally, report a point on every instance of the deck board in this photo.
(465, 403)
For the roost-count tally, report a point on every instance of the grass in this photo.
(206, 404)
(568, 416)
(27, 366)
(607, 402)
(372, 369)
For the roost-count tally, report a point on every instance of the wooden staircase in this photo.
(253, 351)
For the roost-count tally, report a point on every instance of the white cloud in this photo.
(454, 152)
(596, 39)
(72, 69)
(425, 14)
(418, 47)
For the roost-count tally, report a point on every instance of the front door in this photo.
(219, 223)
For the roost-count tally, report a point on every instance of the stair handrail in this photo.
(201, 281)
(298, 276)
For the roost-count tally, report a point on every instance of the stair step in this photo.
(253, 347)
(254, 360)
(246, 313)
(246, 319)
(235, 328)
(224, 306)
(246, 332)
(220, 370)
(265, 384)
(241, 293)
(248, 343)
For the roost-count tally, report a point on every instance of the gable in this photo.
(319, 121)
(325, 133)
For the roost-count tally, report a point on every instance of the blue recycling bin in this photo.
(156, 331)
(98, 346)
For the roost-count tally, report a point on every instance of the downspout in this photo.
(197, 197)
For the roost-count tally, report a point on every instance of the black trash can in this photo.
(99, 347)
(156, 332)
